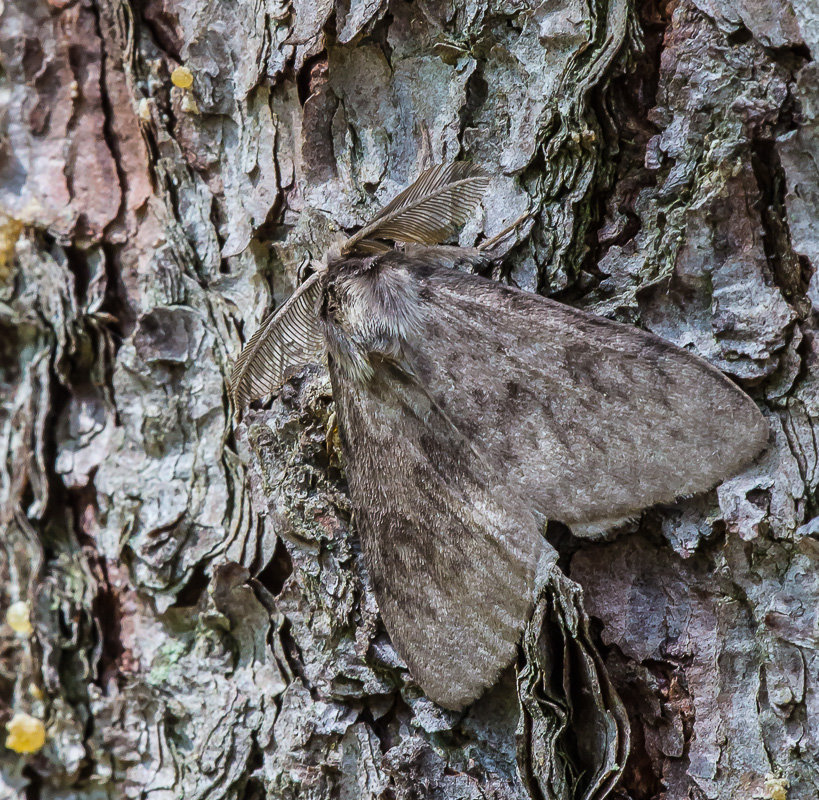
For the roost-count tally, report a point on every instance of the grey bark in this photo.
(202, 622)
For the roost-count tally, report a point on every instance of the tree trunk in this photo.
(203, 626)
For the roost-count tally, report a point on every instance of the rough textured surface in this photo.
(202, 624)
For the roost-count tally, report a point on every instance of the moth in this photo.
(471, 411)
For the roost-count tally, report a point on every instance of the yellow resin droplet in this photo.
(10, 230)
(18, 618)
(182, 77)
(26, 733)
(776, 788)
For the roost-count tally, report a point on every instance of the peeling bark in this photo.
(202, 623)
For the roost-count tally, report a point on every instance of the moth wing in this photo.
(451, 555)
(587, 419)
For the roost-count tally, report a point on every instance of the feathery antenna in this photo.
(438, 203)
(289, 337)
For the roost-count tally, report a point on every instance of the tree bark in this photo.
(202, 624)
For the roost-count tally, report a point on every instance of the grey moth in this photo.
(470, 412)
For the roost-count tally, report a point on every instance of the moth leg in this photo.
(490, 243)
(332, 436)
(600, 529)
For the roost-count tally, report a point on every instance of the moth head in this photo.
(346, 304)
(339, 312)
